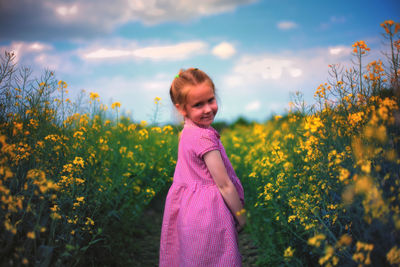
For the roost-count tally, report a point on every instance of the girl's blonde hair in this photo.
(184, 80)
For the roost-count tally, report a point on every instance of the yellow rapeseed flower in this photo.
(329, 252)
(316, 240)
(366, 166)
(393, 256)
(345, 240)
(115, 105)
(78, 161)
(360, 47)
(240, 212)
(131, 127)
(89, 221)
(136, 189)
(94, 96)
(31, 235)
(288, 252)
(343, 174)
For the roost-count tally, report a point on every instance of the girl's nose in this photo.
(207, 109)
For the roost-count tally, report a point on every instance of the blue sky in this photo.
(258, 52)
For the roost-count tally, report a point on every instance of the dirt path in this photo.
(149, 238)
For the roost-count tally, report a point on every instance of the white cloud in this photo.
(162, 52)
(266, 67)
(295, 72)
(340, 50)
(289, 71)
(107, 53)
(224, 50)
(156, 11)
(58, 62)
(272, 78)
(253, 106)
(157, 86)
(22, 48)
(171, 52)
(65, 11)
(286, 25)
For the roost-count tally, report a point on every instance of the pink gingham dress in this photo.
(198, 228)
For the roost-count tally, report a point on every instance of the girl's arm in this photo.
(228, 191)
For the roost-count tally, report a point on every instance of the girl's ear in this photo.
(181, 109)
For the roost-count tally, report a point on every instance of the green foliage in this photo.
(321, 183)
(73, 184)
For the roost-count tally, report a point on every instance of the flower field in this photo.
(74, 179)
(322, 187)
(321, 183)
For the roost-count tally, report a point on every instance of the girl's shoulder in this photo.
(200, 132)
(199, 140)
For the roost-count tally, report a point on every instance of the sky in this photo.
(258, 52)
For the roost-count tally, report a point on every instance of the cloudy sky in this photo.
(258, 52)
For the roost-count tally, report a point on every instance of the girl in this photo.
(204, 206)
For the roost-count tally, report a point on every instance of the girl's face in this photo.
(201, 105)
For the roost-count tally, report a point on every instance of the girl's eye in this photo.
(211, 100)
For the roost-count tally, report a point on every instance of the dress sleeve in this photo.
(207, 142)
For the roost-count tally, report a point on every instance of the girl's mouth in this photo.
(209, 117)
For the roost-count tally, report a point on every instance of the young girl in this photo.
(204, 206)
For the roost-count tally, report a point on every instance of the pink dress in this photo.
(198, 228)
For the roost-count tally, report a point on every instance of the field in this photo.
(321, 182)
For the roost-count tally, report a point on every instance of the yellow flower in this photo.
(393, 256)
(397, 28)
(240, 212)
(355, 117)
(115, 104)
(31, 235)
(345, 240)
(313, 124)
(291, 218)
(366, 167)
(55, 216)
(79, 161)
(132, 127)
(329, 251)
(93, 96)
(136, 189)
(288, 252)
(316, 240)
(360, 47)
(156, 100)
(89, 221)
